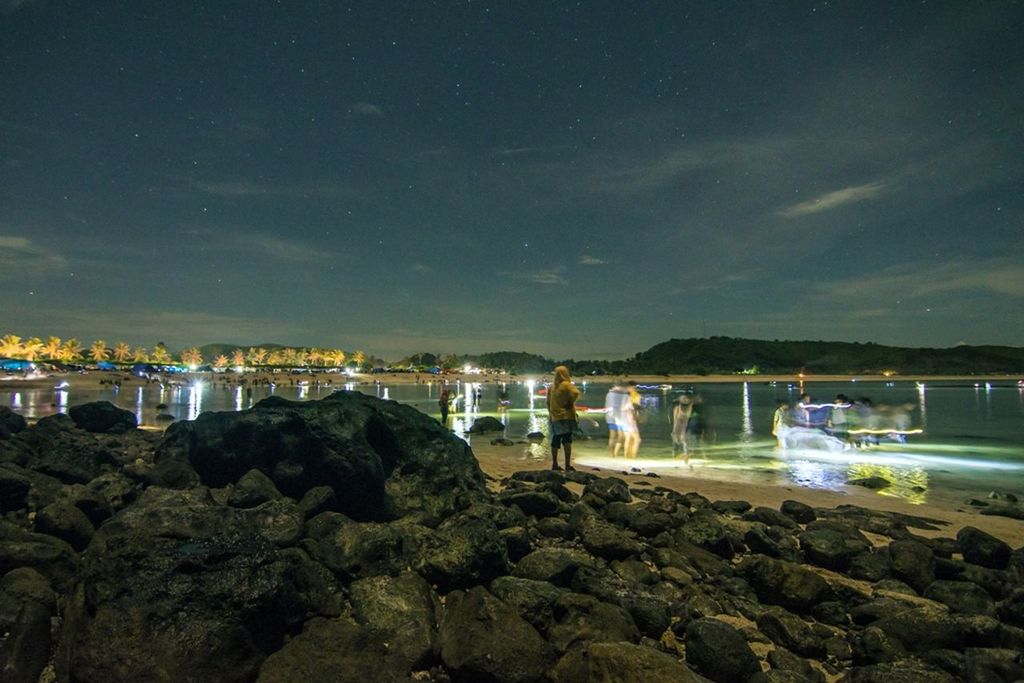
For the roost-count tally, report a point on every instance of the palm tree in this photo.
(192, 357)
(220, 362)
(315, 357)
(160, 353)
(122, 352)
(256, 356)
(10, 345)
(139, 354)
(358, 357)
(338, 357)
(71, 350)
(99, 351)
(51, 349)
(32, 348)
(238, 358)
(275, 357)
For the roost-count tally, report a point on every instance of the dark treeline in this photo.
(727, 355)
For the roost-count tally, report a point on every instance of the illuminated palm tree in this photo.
(315, 357)
(161, 354)
(51, 349)
(338, 357)
(238, 358)
(358, 357)
(10, 345)
(220, 362)
(71, 350)
(122, 352)
(139, 354)
(32, 348)
(256, 356)
(99, 351)
(192, 357)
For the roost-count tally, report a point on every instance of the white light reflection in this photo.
(531, 386)
(921, 401)
(238, 398)
(304, 391)
(386, 396)
(62, 400)
(138, 406)
(195, 400)
(16, 400)
(748, 424)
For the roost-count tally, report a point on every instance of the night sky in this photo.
(571, 179)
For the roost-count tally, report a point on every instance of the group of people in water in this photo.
(841, 424)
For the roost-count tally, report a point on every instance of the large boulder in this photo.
(913, 563)
(483, 639)
(614, 662)
(57, 447)
(983, 549)
(26, 605)
(383, 459)
(176, 587)
(10, 422)
(786, 584)
(405, 611)
(103, 417)
(719, 651)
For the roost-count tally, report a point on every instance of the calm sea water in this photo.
(973, 440)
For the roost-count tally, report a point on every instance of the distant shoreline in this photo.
(94, 378)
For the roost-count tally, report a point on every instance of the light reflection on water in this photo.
(974, 436)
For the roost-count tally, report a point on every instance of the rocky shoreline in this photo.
(353, 539)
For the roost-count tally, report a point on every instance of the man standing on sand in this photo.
(442, 402)
(614, 408)
(562, 395)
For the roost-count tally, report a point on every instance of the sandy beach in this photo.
(501, 461)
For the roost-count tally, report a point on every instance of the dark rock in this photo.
(781, 676)
(557, 566)
(461, 553)
(26, 605)
(870, 565)
(831, 612)
(790, 631)
(800, 513)
(180, 588)
(704, 529)
(608, 662)
(10, 423)
(719, 651)
(983, 549)
(993, 664)
(580, 619)
(486, 423)
(913, 563)
(50, 556)
(405, 610)
(359, 549)
(1011, 609)
(14, 488)
(483, 639)
(383, 459)
(165, 417)
(103, 417)
(961, 597)
(606, 540)
(555, 527)
(533, 600)
(731, 507)
(609, 490)
(1003, 510)
(873, 645)
(316, 500)
(66, 522)
(334, 651)
(533, 503)
(782, 660)
(769, 517)
(517, 542)
(535, 436)
(254, 488)
(786, 584)
(56, 447)
(502, 442)
(901, 671)
(873, 483)
(925, 628)
(760, 542)
(832, 549)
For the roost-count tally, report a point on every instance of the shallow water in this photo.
(973, 439)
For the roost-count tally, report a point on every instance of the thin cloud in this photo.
(367, 109)
(21, 256)
(288, 250)
(421, 268)
(554, 276)
(588, 260)
(832, 200)
(994, 276)
(246, 189)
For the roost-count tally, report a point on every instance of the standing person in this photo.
(614, 402)
(680, 417)
(561, 398)
(442, 401)
(779, 424)
(837, 425)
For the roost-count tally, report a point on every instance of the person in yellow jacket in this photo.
(562, 395)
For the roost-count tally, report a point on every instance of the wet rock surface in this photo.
(353, 539)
